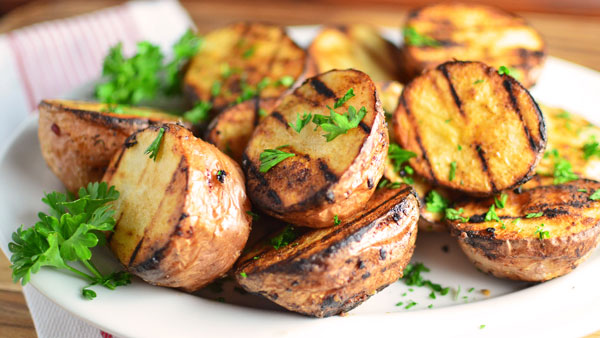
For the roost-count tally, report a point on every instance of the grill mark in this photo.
(418, 138)
(485, 167)
(364, 127)
(112, 233)
(328, 174)
(277, 115)
(321, 88)
(457, 101)
(513, 101)
(251, 168)
(135, 252)
(256, 111)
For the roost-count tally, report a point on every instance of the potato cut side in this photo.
(238, 57)
(472, 129)
(324, 272)
(358, 46)
(454, 31)
(231, 130)
(543, 232)
(78, 138)
(324, 178)
(569, 133)
(181, 220)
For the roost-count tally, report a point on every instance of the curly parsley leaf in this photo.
(67, 234)
(154, 147)
(337, 124)
(436, 202)
(591, 148)
(414, 38)
(491, 215)
(399, 156)
(453, 214)
(300, 122)
(184, 49)
(271, 157)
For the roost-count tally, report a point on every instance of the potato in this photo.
(231, 130)
(233, 60)
(453, 31)
(182, 219)
(323, 272)
(79, 138)
(356, 46)
(322, 179)
(569, 133)
(562, 230)
(472, 129)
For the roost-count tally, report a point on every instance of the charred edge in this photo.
(382, 253)
(135, 252)
(112, 233)
(292, 265)
(485, 167)
(364, 127)
(515, 105)
(329, 176)
(486, 243)
(109, 121)
(256, 111)
(277, 115)
(130, 141)
(370, 183)
(321, 88)
(152, 262)
(418, 139)
(366, 275)
(457, 101)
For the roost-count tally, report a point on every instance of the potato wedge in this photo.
(544, 231)
(324, 178)
(569, 133)
(79, 138)
(324, 272)
(357, 46)
(472, 129)
(233, 60)
(181, 219)
(453, 31)
(231, 130)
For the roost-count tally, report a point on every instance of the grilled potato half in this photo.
(234, 60)
(324, 272)
(472, 129)
(231, 130)
(181, 219)
(79, 138)
(358, 46)
(322, 179)
(454, 31)
(544, 231)
(570, 134)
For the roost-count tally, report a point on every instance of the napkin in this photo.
(48, 60)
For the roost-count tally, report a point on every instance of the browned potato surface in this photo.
(454, 31)
(323, 179)
(181, 220)
(79, 138)
(544, 231)
(240, 56)
(324, 272)
(231, 130)
(357, 46)
(472, 129)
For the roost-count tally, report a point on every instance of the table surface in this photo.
(571, 37)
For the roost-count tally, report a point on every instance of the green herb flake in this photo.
(336, 220)
(563, 170)
(410, 304)
(582, 190)
(249, 52)
(516, 220)
(591, 148)
(300, 122)
(399, 303)
(285, 81)
(482, 326)
(88, 293)
(243, 275)
(452, 173)
(262, 112)
(215, 89)
(154, 147)
(500, 202)
(471, 290)
(491, 214)
(349, 94)
(459, 147)
(284, 238)
(412, 277)
(399, 156)
(432, 295)
(535, 214)
(254, 215)
(478, 81)
(271, 157)
(435, 202)
(503, 70)
(413, 38)
(337, 124)
(595, 196)
(453, 214)
(199, 113)
(541, 232)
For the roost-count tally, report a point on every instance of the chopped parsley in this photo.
(243, 275)
(482, 326)
(271, 157)
(249, 52)
(285, 81)
(154, 147)
(595, 196)
(215, 89)
(412, 276)
(262, 112)
(337, 124)
(436, 202)
(591, 148)
(349, 94)
(478, 81)
(563, 170)
(284, 238)
(500, 203)
(491, 214)
(413, 38)
(199, 113)
(384, 183)
(459, 147)
(582, 190)
(509, 71)
(453, 214)
(541, 232)
(336, 220)
(300, 122)
(399, 303)
(535, 214)
(252, 214)
(410, 304)
(452, 173)
(399, 156)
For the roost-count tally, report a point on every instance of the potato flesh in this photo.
(495, 123)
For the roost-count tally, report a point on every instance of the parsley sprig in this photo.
(591, 148)
(412, 277)
(65, 235)
(300, 122)
(337, 124)
(414, 38)
(271, 157)
(563, 170)
(435, 202)
(154, 147)
(399, 156)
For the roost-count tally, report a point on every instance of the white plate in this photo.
(566, 306)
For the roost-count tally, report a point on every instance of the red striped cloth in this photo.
(57, 56)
